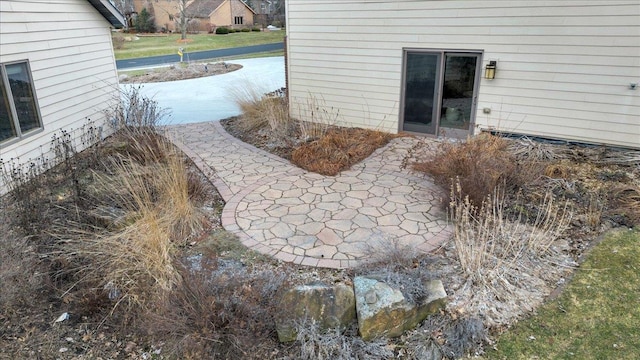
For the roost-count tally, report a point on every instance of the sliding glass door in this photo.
(422, 71)
(439, 92)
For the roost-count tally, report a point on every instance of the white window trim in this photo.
(12, 108)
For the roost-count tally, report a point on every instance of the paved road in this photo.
(198, 55)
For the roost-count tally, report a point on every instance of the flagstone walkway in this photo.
(296, 216)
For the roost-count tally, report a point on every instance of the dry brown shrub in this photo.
(480, 164)
(626, 202)
(21, 275)
(558, 170)
(135, 112)
(339, 149)
(118, 41)
(222, 309)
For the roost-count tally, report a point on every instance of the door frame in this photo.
(440, 83)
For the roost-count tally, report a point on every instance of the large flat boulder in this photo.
(384, 311)
(329, 306)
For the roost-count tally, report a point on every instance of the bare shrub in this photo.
(316, 344)
(193, 26)
(338, 149)
(30, 185)
(485, 239)
(135, 111)
(383, 251)
(505, 259)
(26, 193)
(118, 40)
(395, 264)
(220, 310)
(443, 336)
(314, 117)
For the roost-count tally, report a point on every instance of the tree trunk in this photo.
(184, 19)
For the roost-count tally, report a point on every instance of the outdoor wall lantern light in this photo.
(490, 70)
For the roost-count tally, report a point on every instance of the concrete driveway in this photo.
(213, 97)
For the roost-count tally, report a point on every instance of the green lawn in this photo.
(169, 44)
(596, 317)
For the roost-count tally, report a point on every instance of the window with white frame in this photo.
(238, 20)
(18, 107)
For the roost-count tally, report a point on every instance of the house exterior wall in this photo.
(222, 16)
(162, 11)
(564, 66)
(68, 46)
(240, 9)
(225, 14)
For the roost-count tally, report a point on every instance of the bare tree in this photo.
(251, 4)
(124, 6)
(183, 18)
(177, 12)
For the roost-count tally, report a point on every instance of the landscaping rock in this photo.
(329, 306)
(384, 311)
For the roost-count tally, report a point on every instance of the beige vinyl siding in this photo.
(68, 46)
(564, 66)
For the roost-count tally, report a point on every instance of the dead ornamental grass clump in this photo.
(339, 149)
(135, 262)
(262, 112)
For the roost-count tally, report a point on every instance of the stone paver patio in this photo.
(296, 216)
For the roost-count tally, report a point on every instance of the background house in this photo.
(215, 13)
(268, 12)
(563, 69)
(204, 15)
(57, 70)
